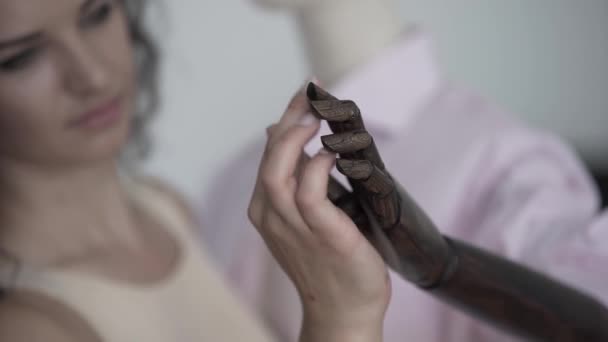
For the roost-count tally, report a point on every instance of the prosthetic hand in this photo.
(378, 205)
(491, 288)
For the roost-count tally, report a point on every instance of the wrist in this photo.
(339, 328)
(328, 332)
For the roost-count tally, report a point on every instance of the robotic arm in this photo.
(491, 288)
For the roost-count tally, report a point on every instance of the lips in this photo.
(101, 117)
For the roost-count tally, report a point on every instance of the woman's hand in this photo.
(341, 279)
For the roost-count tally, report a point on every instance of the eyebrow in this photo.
(32, 37)
(20, 40)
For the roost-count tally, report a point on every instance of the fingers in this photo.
(335, 190)
(256, 203)
(342, 116)
(378, 187)
(348, 142)
(295, 112)
(387, 209)
(255, 210)
(336, 110)
(279, 174)
(283, 156)
(314, 92)
(350, 205)
(366, 174)
(270, 130)
(359, 157)
(355, 169)
(326, 104)
(325, 219)
(354, 145)
(276, 231)
(350, 138)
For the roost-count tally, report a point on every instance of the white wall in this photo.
(546, 60)
(230, 68)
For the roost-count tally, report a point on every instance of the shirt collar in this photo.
(395, 85)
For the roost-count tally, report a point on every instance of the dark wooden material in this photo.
(601, 178)
(498, 291)
(519, 300)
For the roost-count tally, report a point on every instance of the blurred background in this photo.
(230, 67)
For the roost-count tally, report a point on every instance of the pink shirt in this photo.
(482, 176)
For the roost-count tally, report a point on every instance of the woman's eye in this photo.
(99, 15)
(19, 61)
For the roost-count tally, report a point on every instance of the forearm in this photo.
(503, 293)
(519, 300)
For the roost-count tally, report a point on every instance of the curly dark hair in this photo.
(147, 58)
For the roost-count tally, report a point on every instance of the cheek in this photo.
(35, 107)
(29, 108)
(117, 47)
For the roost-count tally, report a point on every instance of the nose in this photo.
(85, 72)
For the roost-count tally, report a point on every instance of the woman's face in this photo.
(67, 80)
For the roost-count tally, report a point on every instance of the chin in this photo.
(104, 146)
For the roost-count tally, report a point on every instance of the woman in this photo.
(92, 254)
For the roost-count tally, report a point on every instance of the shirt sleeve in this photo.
(518, 191)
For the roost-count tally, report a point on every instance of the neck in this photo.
(340, 35)
(74, 211)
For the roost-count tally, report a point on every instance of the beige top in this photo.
(192, 304)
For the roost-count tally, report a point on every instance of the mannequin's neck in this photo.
(340, 35)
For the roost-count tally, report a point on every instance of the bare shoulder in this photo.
(171, 194)
(27, 318)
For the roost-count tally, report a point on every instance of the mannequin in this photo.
(339, 35)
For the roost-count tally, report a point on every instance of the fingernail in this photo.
(323, 151)
(314, 92)
(269, 129)
(310, 79)
(308, 120)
